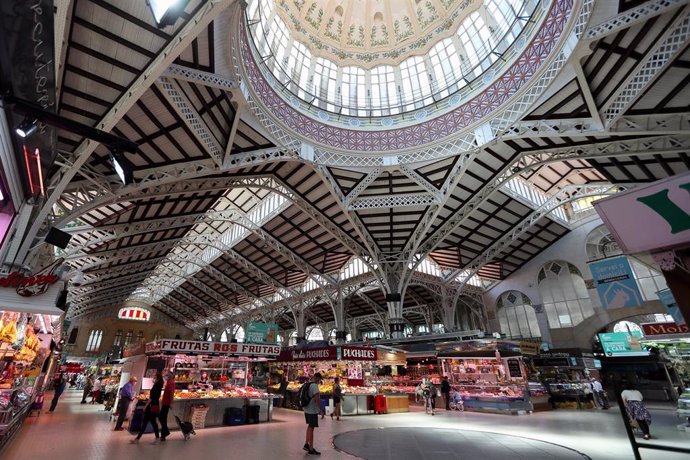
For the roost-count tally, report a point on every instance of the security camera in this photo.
(78, 279)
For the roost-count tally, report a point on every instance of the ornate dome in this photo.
(372, 32)
(447, 48)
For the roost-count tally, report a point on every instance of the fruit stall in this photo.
(212, 380)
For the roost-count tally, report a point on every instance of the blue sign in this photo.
(615, 283)
(666, 297)
(622, 344)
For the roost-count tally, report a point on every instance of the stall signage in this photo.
(28, 286)
(514, 368)
(330, 354)
(201, 347)
(622, 344)
(529, 348)
(615, 283)
(671, 306)
(664, 329)
(261, 332)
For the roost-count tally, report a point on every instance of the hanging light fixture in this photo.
(27, 127)
(123, 167)
(166, 12)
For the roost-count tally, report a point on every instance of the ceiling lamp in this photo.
(166, 12)
(27, 127)
(123, 167)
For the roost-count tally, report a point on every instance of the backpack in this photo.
(303, 397)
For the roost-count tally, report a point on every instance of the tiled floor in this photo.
(83, 432)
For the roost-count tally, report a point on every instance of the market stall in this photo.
(565, 378)
(362, 372)
(212, 380)
(489, 376)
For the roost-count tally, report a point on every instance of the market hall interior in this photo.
(454, 228)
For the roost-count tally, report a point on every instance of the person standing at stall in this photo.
(59, 388)
(87, 388)
(152, 410)
(311, 413)
(126, 396)
(96, 391)
(166, 404)
(445, 391)
(337, 398)
(282, 389)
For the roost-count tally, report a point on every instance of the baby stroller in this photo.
(455, 402)
(186, 427)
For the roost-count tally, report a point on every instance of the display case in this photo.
(539, 396)
(568, 394)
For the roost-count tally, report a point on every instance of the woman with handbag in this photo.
(637, 411)
(151, 410)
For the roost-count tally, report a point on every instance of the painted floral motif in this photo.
(314, 21)
(379, 39)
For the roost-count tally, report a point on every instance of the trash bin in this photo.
(380, 404)
(253, 414)
(233, 416)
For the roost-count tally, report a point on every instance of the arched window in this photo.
(73, 335)
(239, 334)
(293, 339)
(314, 333)
(517, 316)
(224, 336)
(94, 342)
(626, 326)
(128, 338)
(564, 294)
(118, 338)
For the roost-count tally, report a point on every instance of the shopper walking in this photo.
(600, 397)
(87, 388)
(96, 390)
(126, 396)
(59, 388)
(311, 413)
(337, 396)
(445, 391)
(636, 409)
(166, 404)
(152, 410)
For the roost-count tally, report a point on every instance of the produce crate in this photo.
(198, 418)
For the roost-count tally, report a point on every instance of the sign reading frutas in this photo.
(261, 333)
(615, 283)
(211, 348)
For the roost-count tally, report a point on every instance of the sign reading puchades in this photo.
(336, 353)
(134, 313)
(211, 348)
(664, 329)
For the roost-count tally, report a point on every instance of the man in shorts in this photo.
(311, 414)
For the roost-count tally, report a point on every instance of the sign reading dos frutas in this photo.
(219, 348)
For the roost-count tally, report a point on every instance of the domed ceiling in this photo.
(373, 31)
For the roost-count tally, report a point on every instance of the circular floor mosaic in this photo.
(446, 444)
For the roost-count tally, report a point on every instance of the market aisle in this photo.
(83, 432)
